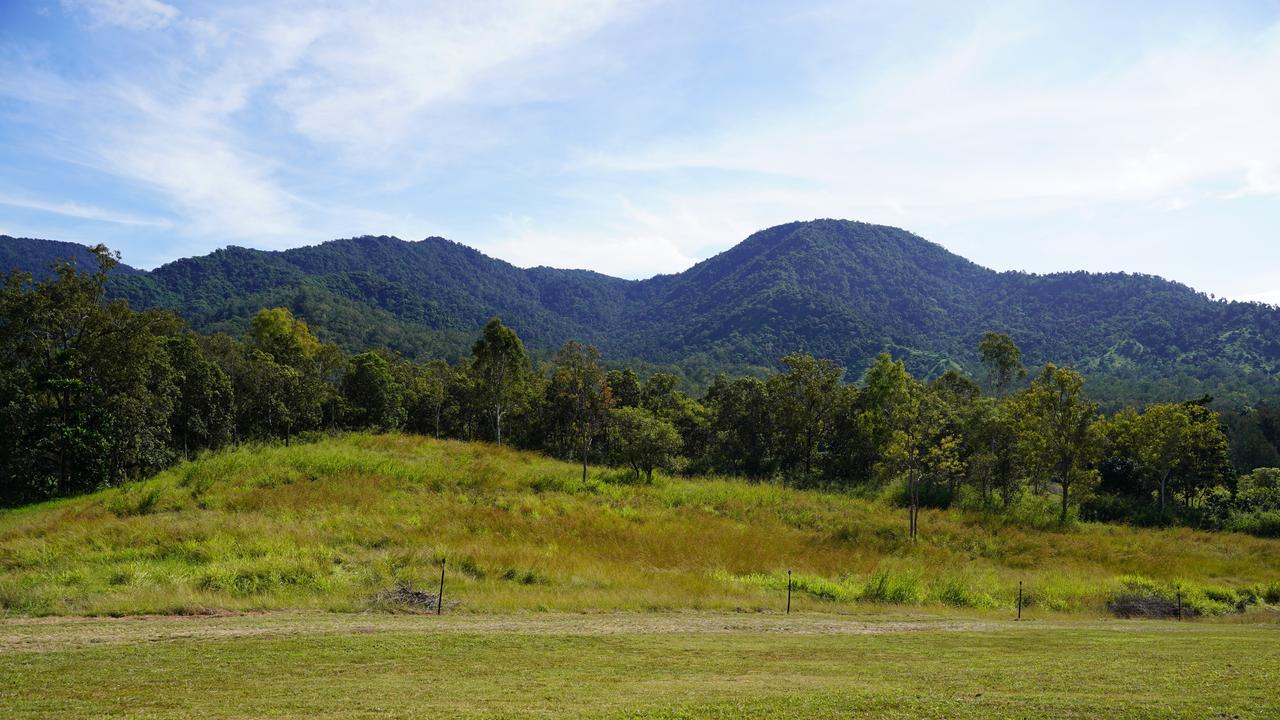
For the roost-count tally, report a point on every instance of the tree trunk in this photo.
(913, 492)
(1063, 518)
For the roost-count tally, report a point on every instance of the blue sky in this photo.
(639, 137)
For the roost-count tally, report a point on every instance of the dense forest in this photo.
(835, 289)
(93, 392)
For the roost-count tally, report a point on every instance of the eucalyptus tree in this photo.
(1002, 359)
(578, 389)
(1058, 428)
(803, 398)
(641, 440)
(501, 370)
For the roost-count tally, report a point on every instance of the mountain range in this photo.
(838, 289)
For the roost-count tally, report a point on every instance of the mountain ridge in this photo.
(836, 288)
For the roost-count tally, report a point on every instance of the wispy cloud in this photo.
(637, 136)
(368, 84)
(1181, 124)
(373, 73)
(130, 14)
(85, 212)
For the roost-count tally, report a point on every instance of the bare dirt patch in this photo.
(43, 634)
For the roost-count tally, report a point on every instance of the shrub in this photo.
(1259, 524)
(956, 593)
(1259, 490)
(1141, 597)
(894, 589)
(1271, 593)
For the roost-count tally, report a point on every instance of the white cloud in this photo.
(129, 14)
(361, 83)
(373, 73)
(86, 212)
(222, 191)
(625, 248)
(289, 122)
(958, 139)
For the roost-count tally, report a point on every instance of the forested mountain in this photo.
(37, 256)
(837, 289)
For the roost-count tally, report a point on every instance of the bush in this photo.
(894, 589)
(1259, 524)
(956, 593)
(1271, 593)
(1259, 490)
(1141, 597)
(1140, 512)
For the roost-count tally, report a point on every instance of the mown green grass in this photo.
(672, 665)
(329, 525)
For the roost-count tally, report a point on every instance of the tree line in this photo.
(93, 393)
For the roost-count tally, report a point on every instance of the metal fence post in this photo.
(440, 595)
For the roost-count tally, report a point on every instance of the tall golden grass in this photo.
(333, 523)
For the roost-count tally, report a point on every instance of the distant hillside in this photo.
(839, 289)
(37, 256)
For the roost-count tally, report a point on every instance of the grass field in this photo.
(654, 665)
(602, 599)
(331, 524)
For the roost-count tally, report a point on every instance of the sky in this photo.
(639, 137)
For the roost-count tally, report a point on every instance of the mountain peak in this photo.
(839, 289)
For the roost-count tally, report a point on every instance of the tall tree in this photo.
(203, 412)
(427, 395)
(625, 387)
(578, 386)
(882, 405)
(1163, 434)
(287, 341)
(803, 398)
(374, 398)
(922, 447)
(741, 425)
(501, 370)
(86, 388)
(991, 431)
(1002, 358)
(1058, 428)
(641, 439)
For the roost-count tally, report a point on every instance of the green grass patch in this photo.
(334, 523)
(678, 665)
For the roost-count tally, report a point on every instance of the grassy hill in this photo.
(334, 523)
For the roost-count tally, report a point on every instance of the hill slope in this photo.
(839, 289)
(334, 523)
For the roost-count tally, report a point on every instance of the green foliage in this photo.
(500, 369)
(1259, 490)
(577, 401)
(97, 392)
(1058, 431)
(333, 523)
(1002, 359)
(373, 397)
(642, 440)
(841, 290)
(86, 386)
